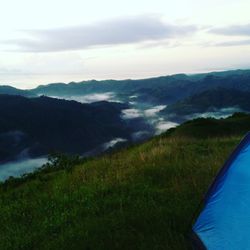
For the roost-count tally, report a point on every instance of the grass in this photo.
(143, 197)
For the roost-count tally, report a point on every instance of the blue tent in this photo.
(224, 222)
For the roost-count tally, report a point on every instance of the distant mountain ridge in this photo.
(167, 89)
(8, 90)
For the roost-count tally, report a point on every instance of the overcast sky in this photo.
(62, 41)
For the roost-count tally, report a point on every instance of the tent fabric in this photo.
(196, 242)
(224, 222)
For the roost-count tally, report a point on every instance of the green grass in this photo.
(143, 197)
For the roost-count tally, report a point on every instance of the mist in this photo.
(90, 98)
(219, 113)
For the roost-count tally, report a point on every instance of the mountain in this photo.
(164, 90)
(158, 90)
(121, 89)
(5, 89)
(140, 110)
(209, 101)
(37, 126)
(201, 128)
(142, 197)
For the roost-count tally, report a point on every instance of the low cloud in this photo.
(153, 111)
(163, 126)
(111, 32)
(113, 143)
(131, 113)
(90, 98)
(234, 30)
(219, 113)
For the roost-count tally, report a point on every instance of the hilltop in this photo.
(141, 197)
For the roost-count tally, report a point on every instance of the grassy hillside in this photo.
(143, 197)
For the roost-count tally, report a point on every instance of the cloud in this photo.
(131, 113)
(153, 111)
(234, 30)
(163, 126)
(110, 32)
(90, 98)
(219, 113)
(233, 43)
(8, 71)
(113, 143)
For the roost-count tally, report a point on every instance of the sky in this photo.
(62, 41)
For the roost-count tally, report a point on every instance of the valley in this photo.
(89, 118)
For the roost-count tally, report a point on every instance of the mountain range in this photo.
(164, 89)
(86, 117)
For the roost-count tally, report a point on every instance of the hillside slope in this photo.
(142, 197)
(211, 100)
(41, 125)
